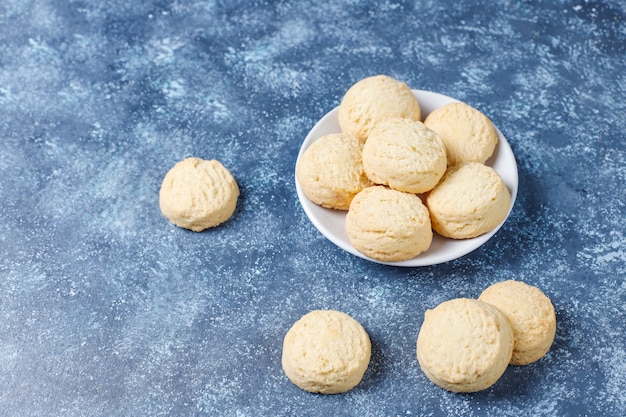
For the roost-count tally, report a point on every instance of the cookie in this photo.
(470, 200)
(388, 225)
(373, 100)
(326, 352)
(531, 315)
(468, 134)
(464, 345)
(197, 194)
(404, 155)
(330, 171)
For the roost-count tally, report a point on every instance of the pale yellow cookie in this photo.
(404, 155)
(464, 345)
(531, 315)
(330, 171)
(470, 200)
(468, 134)
(197, 194)
(372, 100)
(388, 225)
(326, 352)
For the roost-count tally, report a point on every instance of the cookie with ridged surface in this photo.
(464, 345)
(373, 100)
(531, 315)
(468, 134)
(326, 351)
(388, 225)
(404, 155)
(469, 201)
(197, 194)
(330, 171)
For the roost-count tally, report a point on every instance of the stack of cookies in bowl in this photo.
(400, 177)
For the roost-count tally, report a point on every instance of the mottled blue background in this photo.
(106, 309)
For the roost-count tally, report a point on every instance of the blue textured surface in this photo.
(108, 309)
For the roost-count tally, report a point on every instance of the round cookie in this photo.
(372, 100)
(326, 352)
(405, 155)
(464, 345)
(388, 225)
(197, 194)
(531, 315)
(330, 171)
(470, 200)
(468, 134)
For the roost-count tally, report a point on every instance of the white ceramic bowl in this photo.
(331, 223)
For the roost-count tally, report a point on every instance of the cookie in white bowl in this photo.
(404, 155)
(330, 171)
(388, 225)
(470, 200)
(468, 134)
(375, 99)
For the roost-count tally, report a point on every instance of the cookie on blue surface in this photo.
(531, 315)
(326, 351)
(464, 345)
(197, 194)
